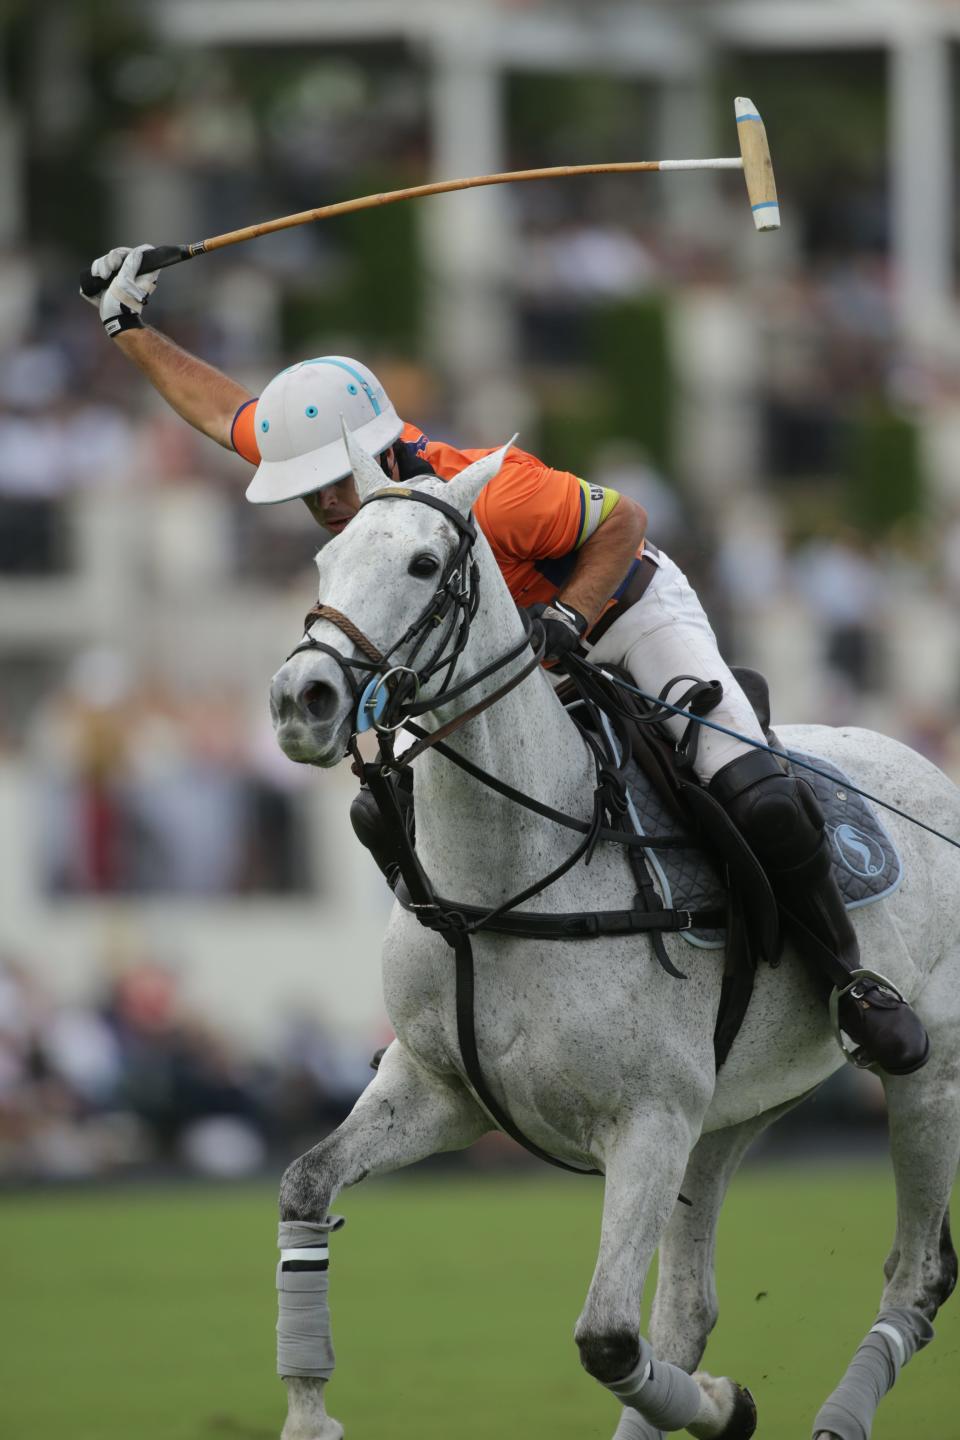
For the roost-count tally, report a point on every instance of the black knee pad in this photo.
(365, 819)
(776, 813)
(371, 830)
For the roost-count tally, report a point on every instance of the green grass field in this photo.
(148, 1314)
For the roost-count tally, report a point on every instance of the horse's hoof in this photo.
(743, 1420)
(729, 1404)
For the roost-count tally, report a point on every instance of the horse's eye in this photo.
(424, 565)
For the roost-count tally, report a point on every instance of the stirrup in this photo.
(855, 1054)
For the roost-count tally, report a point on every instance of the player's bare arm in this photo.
(199, 393)
(605, 558)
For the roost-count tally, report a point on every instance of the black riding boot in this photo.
(371, 831)
(781, 819)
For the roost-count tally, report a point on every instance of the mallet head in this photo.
(757, 165)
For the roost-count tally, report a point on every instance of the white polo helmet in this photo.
(297, 422)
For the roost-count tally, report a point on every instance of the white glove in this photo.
(121, 304)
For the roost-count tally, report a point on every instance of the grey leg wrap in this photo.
(897, 1335)
(304, 1346)
(665, 1395)
(633, 1427)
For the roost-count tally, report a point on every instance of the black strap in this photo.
(439, 914)
(459, 940)
(642, 573)
(414, 877)
(619, 837)
(464, 523)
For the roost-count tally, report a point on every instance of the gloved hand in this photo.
(121, 304)
(563, 627)
(410, 465)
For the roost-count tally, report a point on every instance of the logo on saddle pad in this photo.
(858, 851)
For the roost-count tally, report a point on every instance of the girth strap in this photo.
(459, 941)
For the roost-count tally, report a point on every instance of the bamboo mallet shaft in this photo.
(442, 187)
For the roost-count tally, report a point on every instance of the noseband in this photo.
(390, 695)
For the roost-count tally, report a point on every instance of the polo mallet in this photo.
(753, 160)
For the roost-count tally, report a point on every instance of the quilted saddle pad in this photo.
(866, 863)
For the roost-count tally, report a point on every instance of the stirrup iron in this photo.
(855, 1054)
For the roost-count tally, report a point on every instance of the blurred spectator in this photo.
(628, 469)
(50, 443)
(583, 261)
(567, 269)
(146, 792)
(142, 1080)
(843, 584)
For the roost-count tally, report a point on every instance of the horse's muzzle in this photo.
(310, 707)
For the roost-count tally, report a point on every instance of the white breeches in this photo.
(667, 633)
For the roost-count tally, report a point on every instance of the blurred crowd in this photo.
(143, 790)
(138, 1081)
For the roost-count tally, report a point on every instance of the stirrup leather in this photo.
(855, 1054)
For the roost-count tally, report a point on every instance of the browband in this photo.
(465, 525)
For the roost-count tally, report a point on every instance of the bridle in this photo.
(388, 695)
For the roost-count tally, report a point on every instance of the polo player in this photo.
(573, 554)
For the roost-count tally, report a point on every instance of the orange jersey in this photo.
(534, 518)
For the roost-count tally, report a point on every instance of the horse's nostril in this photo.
(319, 700)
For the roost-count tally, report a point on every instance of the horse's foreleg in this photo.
(405, 1114)
(685, 1306)
(644, 1172)
(921, 1270)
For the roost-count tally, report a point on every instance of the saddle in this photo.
(717, 866)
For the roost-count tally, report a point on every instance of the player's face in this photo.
(334, 506)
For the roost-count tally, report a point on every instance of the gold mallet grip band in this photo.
(757, 165)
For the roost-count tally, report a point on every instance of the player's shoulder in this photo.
(521, 475)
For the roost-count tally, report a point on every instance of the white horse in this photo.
(599, 1056)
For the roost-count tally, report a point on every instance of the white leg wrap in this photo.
(664, 1395)
(898, 1334)
(304, 1346)
(633, 1427)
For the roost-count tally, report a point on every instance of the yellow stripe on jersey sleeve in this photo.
(596, 504)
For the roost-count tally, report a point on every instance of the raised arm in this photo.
(201, 394)
(207, 399)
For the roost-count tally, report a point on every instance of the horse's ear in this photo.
(463, 490)
(366, 470)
